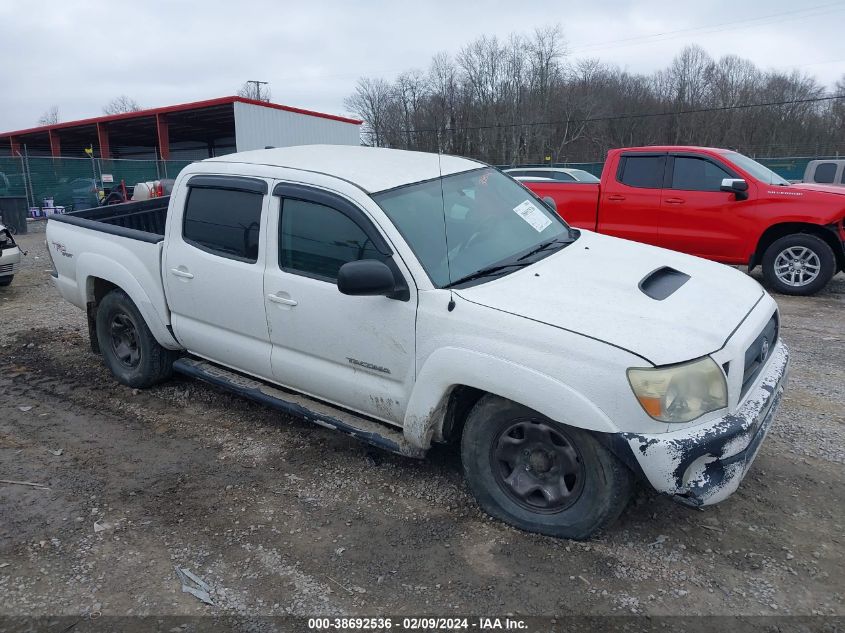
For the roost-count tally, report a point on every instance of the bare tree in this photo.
(256, 90)
(50, 117)
(371, 101)
(521, 100)
(121, 104)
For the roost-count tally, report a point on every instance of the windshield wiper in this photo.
(561, 241)
(485, 272)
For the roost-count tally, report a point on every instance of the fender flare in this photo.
(449, 367)
(94, 266)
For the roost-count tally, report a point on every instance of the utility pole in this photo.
(257, 85)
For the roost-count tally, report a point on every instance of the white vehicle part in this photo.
(217, 302)
(565, 289)
(705, 464)
(567, 377)
(78, 266)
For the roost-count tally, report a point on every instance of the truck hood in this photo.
(838, 190)
(592, 287)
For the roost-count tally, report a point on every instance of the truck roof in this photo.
(370, 168)
(671, 148)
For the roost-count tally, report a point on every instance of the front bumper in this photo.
(705, 464)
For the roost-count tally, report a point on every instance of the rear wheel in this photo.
(539, 475)
(798, 264)
(129, 349)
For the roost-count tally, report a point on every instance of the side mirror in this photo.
(736, 186)
(550, 202)
(365, 277)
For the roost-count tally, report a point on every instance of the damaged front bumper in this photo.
(705, 464)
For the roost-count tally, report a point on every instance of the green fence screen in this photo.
(74, 182)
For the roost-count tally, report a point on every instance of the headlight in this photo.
(680, 393)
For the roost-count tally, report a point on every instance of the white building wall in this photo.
(257, 127)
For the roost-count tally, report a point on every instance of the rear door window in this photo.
(697, 174)
(224, 222)
(645, 172)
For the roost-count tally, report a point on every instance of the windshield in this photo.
(489, 220)
(755, 169)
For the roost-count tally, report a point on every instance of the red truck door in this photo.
(696, 217)
(629, 205)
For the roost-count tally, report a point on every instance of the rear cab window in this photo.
(644, 172)
(825, 173)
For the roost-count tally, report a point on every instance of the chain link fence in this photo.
(77, 182)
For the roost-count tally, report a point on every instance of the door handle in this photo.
(615, 197)
(178, 272)
(674, 201)
(285, 301)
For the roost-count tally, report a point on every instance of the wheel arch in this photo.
(452, 380)
(101, 279)
(777, 231)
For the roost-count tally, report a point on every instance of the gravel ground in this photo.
(282, 517)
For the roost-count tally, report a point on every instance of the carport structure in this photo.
(191, 131)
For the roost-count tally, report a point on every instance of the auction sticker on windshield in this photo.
(531, 214)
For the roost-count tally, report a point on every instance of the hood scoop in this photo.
(662, 283)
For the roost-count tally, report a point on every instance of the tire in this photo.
(5, 281)
(129, 349)
(814, 261)
(595, 489)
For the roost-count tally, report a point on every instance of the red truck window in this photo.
(697, 174)
(645, 172)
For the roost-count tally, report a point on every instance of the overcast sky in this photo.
(78, 54)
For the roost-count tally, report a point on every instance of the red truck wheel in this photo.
(798, 264)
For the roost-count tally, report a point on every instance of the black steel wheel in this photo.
(129, 349)
(124, 340)
(538, 466)
(539, 475)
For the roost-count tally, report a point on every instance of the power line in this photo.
(617, 117)
(714, 28)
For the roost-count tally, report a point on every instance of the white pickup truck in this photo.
(407, 298)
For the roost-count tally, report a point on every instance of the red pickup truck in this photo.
(714, 203)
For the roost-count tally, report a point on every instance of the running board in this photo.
(360, 428)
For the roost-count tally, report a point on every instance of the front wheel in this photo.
(798, 264)
(5, 281)
(539, 475)
(129, 349)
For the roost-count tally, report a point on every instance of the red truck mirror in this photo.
(736, 186)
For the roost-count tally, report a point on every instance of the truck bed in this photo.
(577, 202)
(144, 220)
